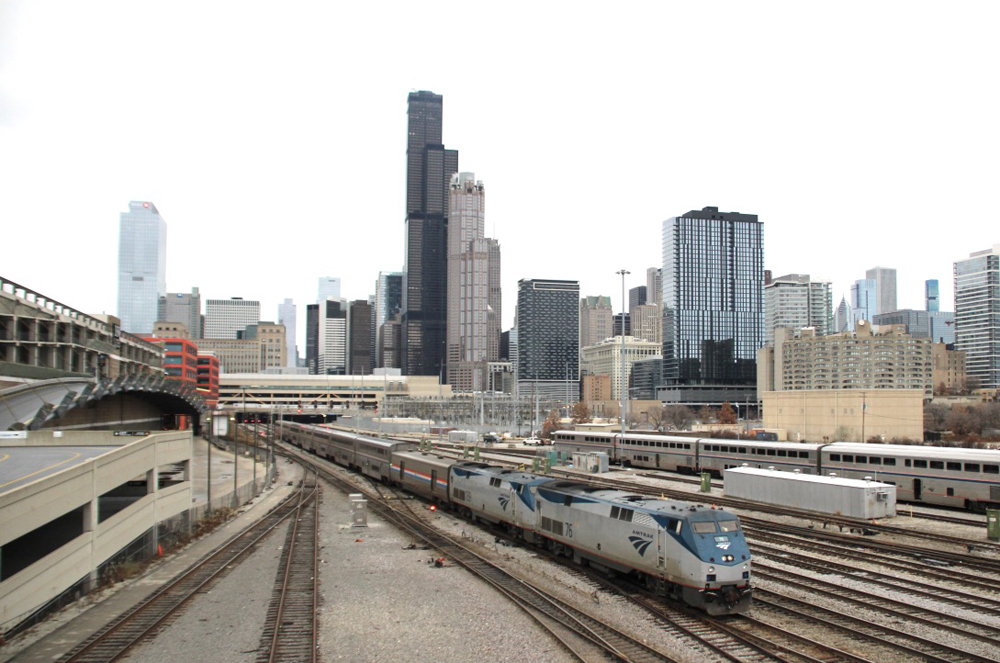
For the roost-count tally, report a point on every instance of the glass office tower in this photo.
(142, 266)
(977, 315)
(713, 308)
(429, 168)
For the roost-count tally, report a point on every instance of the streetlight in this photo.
(623, 272)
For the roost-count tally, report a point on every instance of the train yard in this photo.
(825, 588)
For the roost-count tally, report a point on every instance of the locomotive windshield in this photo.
(729, 525)
(704, 527)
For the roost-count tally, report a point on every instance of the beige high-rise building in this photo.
(860, 359)
(596, 320)
(473, 332)
(273, 345)
(605, 358)
(647, 322)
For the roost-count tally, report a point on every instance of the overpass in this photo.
(128, 401)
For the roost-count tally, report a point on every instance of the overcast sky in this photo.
(272, 137)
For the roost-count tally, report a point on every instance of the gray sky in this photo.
(272, 136)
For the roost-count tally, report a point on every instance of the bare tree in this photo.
(581, 413)
(678, 417)
(726, 414)
(552, 424)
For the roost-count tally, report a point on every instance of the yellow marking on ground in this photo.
(75, 455)
(5, 457)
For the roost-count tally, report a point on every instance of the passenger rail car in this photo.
(966, 478)
(947, 476)
(368, 455)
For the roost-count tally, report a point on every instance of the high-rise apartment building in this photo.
(184, 308)
(863, 301)
(713, 308)
(796, 301)
(596, 316)
(548, 337)
(329, 288)
(429, 167)
(885, 289)
(932, 298)
(473, 287)
(287, 317)
(227, 318)
(977, 315)
(142, 266)
(359, 320)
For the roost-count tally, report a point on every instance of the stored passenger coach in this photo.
(691, 552)
(967, 478)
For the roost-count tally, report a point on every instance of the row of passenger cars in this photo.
(691, 552)
(948, 476)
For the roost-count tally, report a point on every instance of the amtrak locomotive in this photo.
(694, 553)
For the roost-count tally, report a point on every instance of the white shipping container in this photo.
(854, 498)
(463, 436)
(596, 462)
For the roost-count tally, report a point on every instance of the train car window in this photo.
(835, 457)
(782, 453)
(860, 459)
(874, 460)
(909, 462)
(991, 469)
(743, 450)
(848, 458)
(888, 461)
(771, 452)
(614, 512)
(729, 525)
(920, 463)
(703, 527)
(687, 446)
(951, 492)
(971, 467)
(937, 464)
(954, 467)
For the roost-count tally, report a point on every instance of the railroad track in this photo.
(158, 609)
(290, 633)
(580, 633)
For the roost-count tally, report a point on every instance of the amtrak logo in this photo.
(504, 501)
(722, 544)
(639, 544)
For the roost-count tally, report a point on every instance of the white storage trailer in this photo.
(854, 498)
(463, 436)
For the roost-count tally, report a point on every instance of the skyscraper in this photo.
(654, 285)
(312, 338)
(595, 320)
(713, 309)
(388, 302)
(885, 289)
(142, 266)
(329, 288)
(977, 315)
(548, 336)
(287, 316)
(636, 296)
(796, 301)
(843, 318)
(429, 168)
(359, 338)
(863, 301)
(331, 338)
(227, 318)
(184, 308)
(931, 297)
(473, 337)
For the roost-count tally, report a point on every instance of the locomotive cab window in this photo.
(703, 527)
(729, 525)
(495, 482)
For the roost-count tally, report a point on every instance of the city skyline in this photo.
(816, 130)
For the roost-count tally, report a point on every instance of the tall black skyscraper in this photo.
(548, 339)
(429, 168)
(713, 306)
